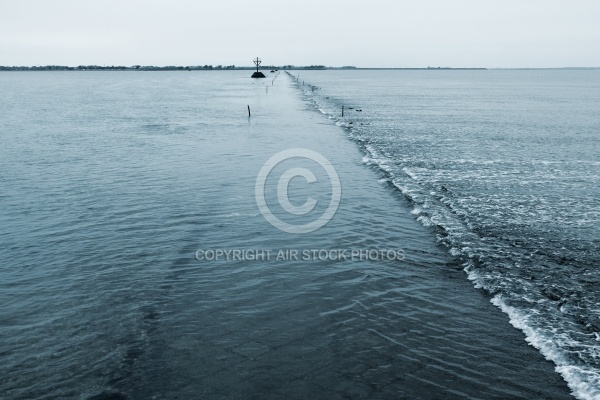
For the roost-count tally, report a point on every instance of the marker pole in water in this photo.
(342, 110)
(248, 110)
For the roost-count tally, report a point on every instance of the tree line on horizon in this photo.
(154, 68)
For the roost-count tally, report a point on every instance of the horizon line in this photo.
(57, 67)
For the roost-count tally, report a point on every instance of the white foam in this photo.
(455, 251)
(426, 221)
(383, 165)
(409, 173)
(584, 382)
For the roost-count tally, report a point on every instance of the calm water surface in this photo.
(110, 182)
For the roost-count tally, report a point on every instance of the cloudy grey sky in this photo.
(374, 33)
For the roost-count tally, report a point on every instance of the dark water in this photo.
(505, 165)
(111, 181)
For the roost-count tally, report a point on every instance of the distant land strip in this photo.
(198, 68)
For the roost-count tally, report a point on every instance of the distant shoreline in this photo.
(266, 68)
(199, 68)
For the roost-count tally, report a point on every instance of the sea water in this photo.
(504, 165)
(111, 182)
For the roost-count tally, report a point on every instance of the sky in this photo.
(374, 33)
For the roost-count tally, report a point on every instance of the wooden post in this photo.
(248, 110)
(342, 110)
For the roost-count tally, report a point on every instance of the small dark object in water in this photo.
(257, 74)
(350, 123)
(553, 293)
(359, 110)
(444, 189)
(561, 303)
(109, 396)
(350, 108)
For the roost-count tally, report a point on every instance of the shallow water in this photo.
(505, 164)
(111, 183)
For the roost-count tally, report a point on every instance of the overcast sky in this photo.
(374, 33)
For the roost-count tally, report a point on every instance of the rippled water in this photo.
(100, 176)
(505, 165)
(111, 181)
